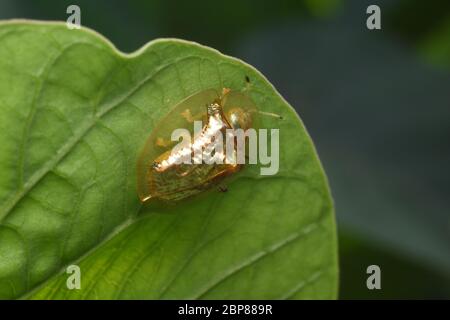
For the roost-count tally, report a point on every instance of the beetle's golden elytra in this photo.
(161, 174)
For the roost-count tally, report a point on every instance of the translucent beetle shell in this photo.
(158, 177)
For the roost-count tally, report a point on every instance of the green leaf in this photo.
(76, 112)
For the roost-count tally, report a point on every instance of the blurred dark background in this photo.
(376, 103)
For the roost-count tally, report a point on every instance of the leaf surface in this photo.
(75, 114)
